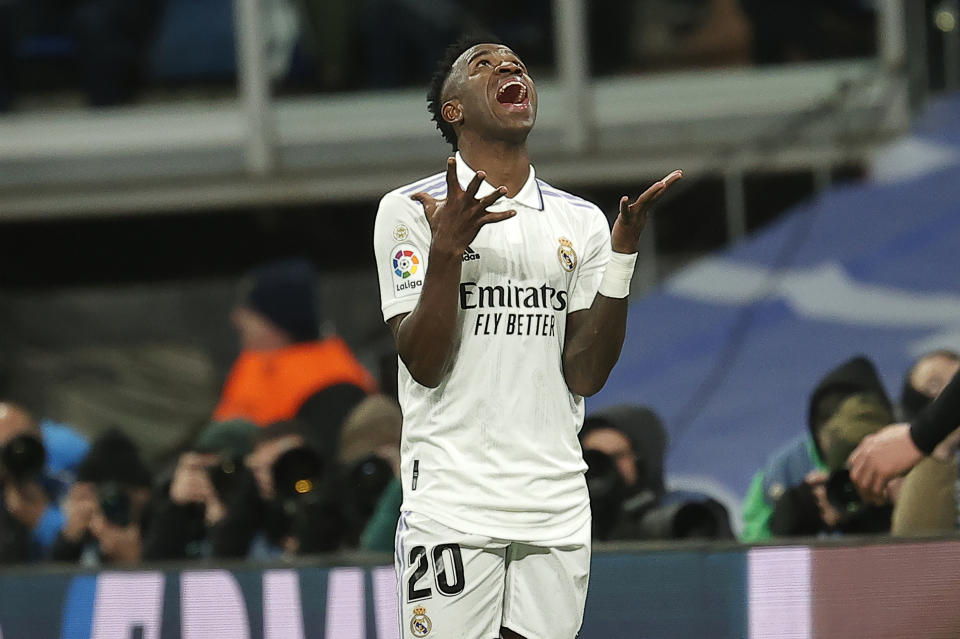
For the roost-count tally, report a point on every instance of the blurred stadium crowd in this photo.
(111, 50)
(301, 456)
(301, 453)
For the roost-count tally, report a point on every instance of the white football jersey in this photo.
(493, 450)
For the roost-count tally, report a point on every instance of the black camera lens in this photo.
(606, 489)
(23, 457)
(297, 472)
(225, 477)
(368, 478)
(842, 493)
(115, 504)
(603, 477)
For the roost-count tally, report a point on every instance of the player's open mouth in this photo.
(513, 93)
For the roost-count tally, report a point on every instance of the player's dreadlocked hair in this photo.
(439, 78)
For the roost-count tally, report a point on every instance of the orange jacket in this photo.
(270, 386)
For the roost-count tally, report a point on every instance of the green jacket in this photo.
(787, 467)
(381, 529)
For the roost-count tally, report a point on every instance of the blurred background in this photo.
(155, 154)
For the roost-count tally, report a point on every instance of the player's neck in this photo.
(505, 164)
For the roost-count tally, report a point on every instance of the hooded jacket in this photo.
(854, 376)
(789, 466)
(796, 513)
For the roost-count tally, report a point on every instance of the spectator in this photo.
(624, 447)
(286, 370)
(329, 29)
(106, 509)
(825, 502)
(925, 380)
(403, 39)
(370, 450)
(785, 31)
(210, 507)
(791, 465)
(37, 465)
(105, 40)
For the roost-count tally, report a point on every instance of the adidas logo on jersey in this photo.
(470, 255)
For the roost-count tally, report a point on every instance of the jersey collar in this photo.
(529, 196)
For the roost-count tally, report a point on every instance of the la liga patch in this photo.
(408, 269)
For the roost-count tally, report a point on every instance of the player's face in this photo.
(494, 92)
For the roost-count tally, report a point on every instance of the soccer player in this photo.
(507, 301)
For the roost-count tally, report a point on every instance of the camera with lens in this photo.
(607, 492)
(843, 494)
(308, 513)
(641, 513)
(114, 503)
(231, 480)
(23, 458)
(365, 481)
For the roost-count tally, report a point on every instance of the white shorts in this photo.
(454, 585)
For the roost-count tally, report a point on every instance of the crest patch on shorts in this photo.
(420, 624)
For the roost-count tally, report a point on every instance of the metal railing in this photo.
(261, 151)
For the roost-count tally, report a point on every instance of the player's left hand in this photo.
(633, 216)
(879, 458)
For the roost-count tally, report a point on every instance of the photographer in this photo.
(624, 448)
(106, 508)
(370, 450)
(827, 502)
(210, 507)
(37, 463)
(308, 517)
(296, 486)
(803, 459)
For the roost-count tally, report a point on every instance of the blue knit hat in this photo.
(285, 293)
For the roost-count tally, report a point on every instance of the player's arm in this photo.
(595, 335)
(425, 336)
(897, 448)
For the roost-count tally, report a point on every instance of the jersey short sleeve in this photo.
(401, 242)
(595, 256)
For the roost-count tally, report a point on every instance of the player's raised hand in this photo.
(456, 220)
(633, 216)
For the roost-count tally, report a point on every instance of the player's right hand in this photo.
(879, 458)
(456, 220)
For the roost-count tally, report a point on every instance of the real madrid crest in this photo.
(420, 624)
(566, 254)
